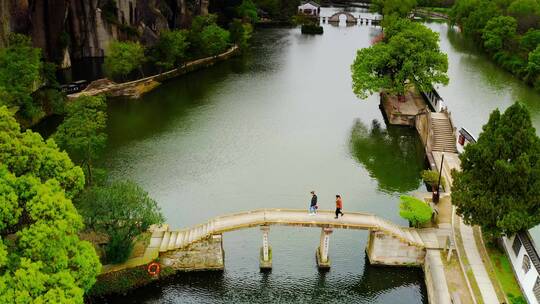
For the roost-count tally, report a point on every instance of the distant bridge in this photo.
(351, 19)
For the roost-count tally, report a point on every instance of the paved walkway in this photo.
(477, 265)
(489, 296)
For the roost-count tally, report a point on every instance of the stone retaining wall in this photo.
(136, 88)
(386, 250)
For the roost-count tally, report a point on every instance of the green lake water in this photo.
(264, 129)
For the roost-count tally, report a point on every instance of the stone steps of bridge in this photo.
(165, 241)
(172, 240)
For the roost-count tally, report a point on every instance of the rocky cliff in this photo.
(67, 29)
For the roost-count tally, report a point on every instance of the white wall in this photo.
(526, 280)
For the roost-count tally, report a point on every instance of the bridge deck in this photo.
(164, 240)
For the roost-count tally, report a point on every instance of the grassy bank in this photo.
(505, 274)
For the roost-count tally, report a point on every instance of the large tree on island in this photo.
(408, 55)
(499, 185)
(121, 210)
(42, 259)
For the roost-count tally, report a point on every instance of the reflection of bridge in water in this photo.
(351, 19)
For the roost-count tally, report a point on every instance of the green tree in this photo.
(122, 211)
(475, 22)
(42, 259)
(401, 8)
(410, 56)
(240, 33)
(123, 58)
(25, 153)
(461, 10)
(526, 12)
(20, 75)
(499, 32)
(248, 11)
(499, 183)
(416, 211)
(214, 40)
(530, 40)
(533, 65)
(170, 49)
(82, 133)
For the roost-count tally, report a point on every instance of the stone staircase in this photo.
(444, 139)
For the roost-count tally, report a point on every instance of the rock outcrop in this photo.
(70, 29)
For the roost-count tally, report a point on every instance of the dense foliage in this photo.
(20, 75)
(408, 55)
(506, 29)
(123, 58)
(42, 259)
(121, 210)
(499, 186)
(240, 33)
(416, 211)
(400, 8)
(248, 11)
(170, 49)
(214, 40)
(432, 178)
(82, 133)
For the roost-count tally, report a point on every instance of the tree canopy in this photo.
(20, 68)
(499, 185)
(248, 11)
(82, 133)
(499, 32)
(410, 55)
(26, 153)
(42, 259)
(401, 8)
(170, 49)
(121, 210)
(214, 39)
(124, 57)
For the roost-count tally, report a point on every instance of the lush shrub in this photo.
(416, 211)
(312, 29)
(432, 178)
(499, 32)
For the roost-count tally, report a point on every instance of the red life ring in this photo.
(153, 268)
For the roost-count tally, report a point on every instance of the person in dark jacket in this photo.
(313, 205)
(339, 205)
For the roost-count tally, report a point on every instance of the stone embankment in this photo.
(136, 88)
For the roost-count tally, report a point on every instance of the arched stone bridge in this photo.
(350, 17)
(200, 247)
(189, 248)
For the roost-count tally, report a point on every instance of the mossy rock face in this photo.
(312, 29)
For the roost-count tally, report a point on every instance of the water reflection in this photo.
(379, 149)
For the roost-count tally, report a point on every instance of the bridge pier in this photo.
(206, 254)
(323, 261)
(265, 259)
(383, 249)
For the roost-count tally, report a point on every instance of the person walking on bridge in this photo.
(339, 205)
(313, 205)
